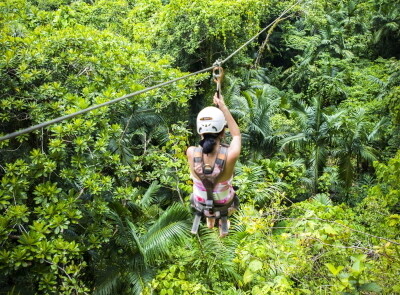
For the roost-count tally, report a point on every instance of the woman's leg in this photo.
(210, 222)
(222, 234)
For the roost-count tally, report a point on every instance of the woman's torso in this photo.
(223, 190)
(227, 172)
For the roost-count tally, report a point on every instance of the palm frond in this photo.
(378, 126)
(137, 281)
(378, 36)
(123, 237)
(160, 134)
(268, 193)
(150, 194)
(236, 233)
(144, 118)
(270, 92)
(239, 106)
(308, 182)
(299, 106)
(248, 95)
(172, 228)
(122, 147)
(320, 154)
(346, 170)
(217, 253)
(134, 236)
(323, 199)
(333, 119)
(134, 209)
(232, 89)
(347, 54)
(368, 153)
(297, 163)
(291, 140)
(393, 26)
(253, 172)
(376, 80)
(107, 282)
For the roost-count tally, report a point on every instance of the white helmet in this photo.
(210, 120)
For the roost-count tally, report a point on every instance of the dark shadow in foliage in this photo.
(141, 128)
(386, 30)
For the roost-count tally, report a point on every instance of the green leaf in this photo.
(248, 276)
(330, 230)
(356, 267)
(370, 287)
(396, 288)
(255, 265)
(335, 271)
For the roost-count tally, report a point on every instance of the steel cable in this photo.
(59, 119)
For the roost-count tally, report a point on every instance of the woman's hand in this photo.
(219, 101)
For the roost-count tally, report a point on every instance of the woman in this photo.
(211, 123)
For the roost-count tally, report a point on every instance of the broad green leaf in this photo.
(248, 276)
(370, 287)
(335, 271)
(255, 265)
(356, 267)
(330, 230)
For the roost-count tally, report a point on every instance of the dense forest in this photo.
(99, 203)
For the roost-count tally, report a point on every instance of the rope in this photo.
(59, 119)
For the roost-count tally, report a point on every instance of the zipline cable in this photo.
(47, 123)
(59, 119)
(260, 32)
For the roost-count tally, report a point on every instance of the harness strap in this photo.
(198, 155)
(221, 212)
(221, 158)
(221, 209)
(208, 177)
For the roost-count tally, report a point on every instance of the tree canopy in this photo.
(99, 203)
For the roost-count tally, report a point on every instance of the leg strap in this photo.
(196, 222)
(224, 225)
(220, 212)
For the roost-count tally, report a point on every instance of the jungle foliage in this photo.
(99, 204)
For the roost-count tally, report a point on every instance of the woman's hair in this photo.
(208, 142)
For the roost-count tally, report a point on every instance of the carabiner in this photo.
(218, 74)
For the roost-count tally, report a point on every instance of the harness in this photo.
(208, 175)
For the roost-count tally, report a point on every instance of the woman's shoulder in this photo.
(234, 148)
(190, 150)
